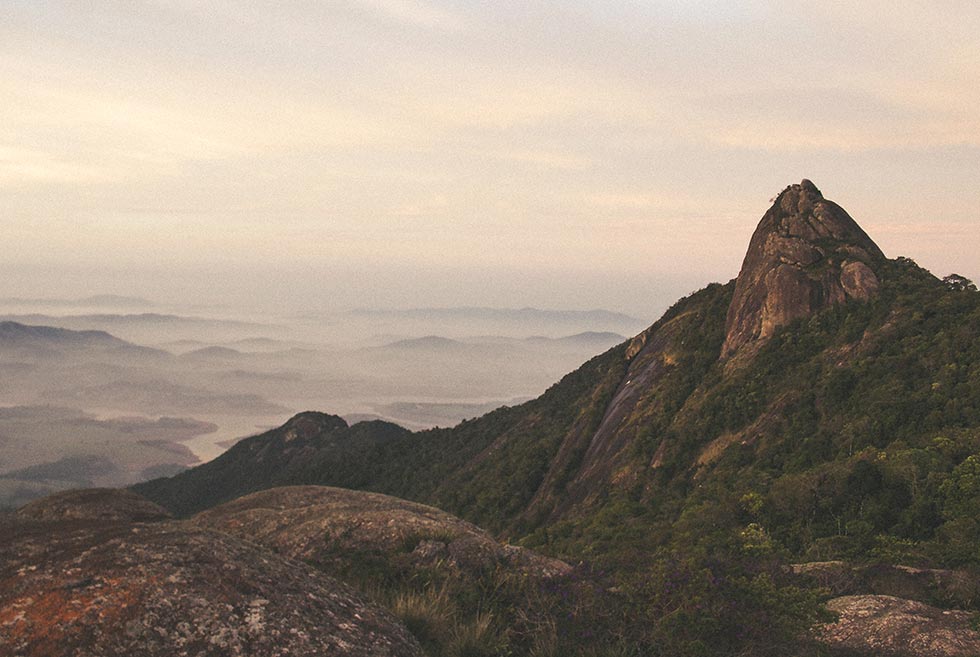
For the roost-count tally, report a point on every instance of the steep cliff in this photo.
(807, 254)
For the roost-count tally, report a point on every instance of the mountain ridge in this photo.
(608, 425)
(845, 427)
(43, 340)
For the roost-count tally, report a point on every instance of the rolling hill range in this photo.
(824, 405)
(28, 341)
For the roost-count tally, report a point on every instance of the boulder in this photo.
(89, 584)
(886, 626)
(340, 530)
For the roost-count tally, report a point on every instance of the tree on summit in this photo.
(959, 283)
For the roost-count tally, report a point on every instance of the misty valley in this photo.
(109, 391)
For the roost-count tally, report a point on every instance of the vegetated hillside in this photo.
(663, 419)
(825, 405)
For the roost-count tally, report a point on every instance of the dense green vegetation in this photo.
(858, 431)
(686, 606)
(852, 434)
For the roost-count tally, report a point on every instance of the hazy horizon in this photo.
(385, 153)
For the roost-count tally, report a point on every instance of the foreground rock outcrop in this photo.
(337, 529)
(807, 254)
(887, 626)
(77, 583)
(97, 504)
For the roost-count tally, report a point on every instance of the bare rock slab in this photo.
(894, 627)
(90, 587)
(806, 254)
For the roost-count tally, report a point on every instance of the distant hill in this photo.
(163, 397)
(48, 448)
(45, 341)
(588, 338)
(71, 321)
(146, 328)
(502, 322)
(16, 333)
(214, 352)
(426, 342)
(516, 315)
(104, 300)
(262, 344)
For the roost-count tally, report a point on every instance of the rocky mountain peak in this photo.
(807, 254)
(309, 424)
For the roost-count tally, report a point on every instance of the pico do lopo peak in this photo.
(806, 254)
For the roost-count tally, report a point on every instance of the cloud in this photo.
(19, 166)
(419, 14)
(545, 159)
(918, 229)
(424, 207)
(493, 127)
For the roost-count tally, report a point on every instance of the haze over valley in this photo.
(109, 390)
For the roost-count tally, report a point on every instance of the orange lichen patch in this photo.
(46, 618)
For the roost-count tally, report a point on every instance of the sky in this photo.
(390, 153)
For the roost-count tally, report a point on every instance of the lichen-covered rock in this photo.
(335, 528)
(101, 588)
(807, 254)
(106, 504)
(934, 586)
(886, 626)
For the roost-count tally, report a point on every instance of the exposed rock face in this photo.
(886, 626)
(807, 254)
(110, 587)
(107, 504)
(334, 527)
(600, 454)
(940, 587)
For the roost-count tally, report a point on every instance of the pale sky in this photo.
(573, 153)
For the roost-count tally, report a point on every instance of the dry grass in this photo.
(428, 614)
(474, 638)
